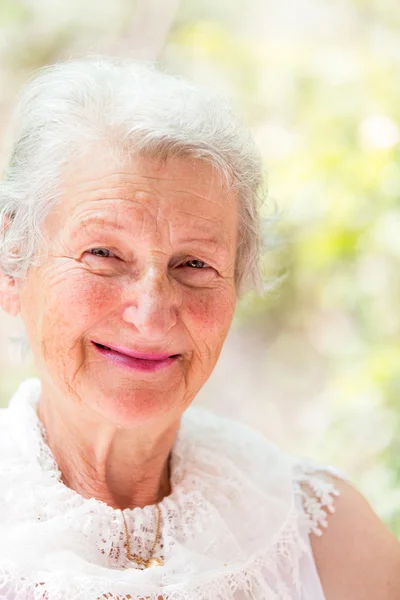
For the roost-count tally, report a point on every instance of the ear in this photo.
(9, 294)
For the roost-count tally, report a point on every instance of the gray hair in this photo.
(135, 108)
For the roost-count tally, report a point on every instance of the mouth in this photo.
(142, 361)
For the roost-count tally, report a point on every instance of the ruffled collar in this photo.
(229, 526)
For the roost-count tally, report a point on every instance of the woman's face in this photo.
(141, 257)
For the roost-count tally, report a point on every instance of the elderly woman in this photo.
(129, 227)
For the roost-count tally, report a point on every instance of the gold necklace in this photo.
(152, 561)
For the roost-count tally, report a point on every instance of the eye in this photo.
(101, 253)
(195, 263)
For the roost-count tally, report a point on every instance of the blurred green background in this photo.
(315, 365)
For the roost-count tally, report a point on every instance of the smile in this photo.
(149, 362)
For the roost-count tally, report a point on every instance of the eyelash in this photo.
(207, 266)
(100, 248)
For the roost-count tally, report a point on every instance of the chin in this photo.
(129, 407)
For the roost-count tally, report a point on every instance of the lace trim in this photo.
(268, 575)
(231, 528)
(317, 492)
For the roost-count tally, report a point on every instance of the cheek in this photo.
(209, 315)
(75, 305)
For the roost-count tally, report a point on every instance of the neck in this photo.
(124, 468)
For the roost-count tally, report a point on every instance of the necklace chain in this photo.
(152, 561)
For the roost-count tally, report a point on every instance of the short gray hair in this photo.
(135, 108)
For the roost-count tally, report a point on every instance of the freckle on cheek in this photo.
(90, 300)
(208, 315)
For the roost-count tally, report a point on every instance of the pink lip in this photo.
(142, 355)
(136, 361)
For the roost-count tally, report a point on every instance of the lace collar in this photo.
(229, 527)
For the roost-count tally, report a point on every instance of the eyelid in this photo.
(90, 250)
(207, 265)
(183, 263)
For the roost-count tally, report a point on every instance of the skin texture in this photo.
(357, 557)
(111, 430)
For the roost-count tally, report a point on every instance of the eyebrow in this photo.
(83, 225)
(212, 240)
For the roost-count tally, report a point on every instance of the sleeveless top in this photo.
(236, 525)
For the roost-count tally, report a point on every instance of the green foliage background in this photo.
(319, 84)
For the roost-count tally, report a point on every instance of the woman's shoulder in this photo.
(305, 487)
(346, 535)
(316, 486)
(355, 555)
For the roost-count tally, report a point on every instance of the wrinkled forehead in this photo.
(173, 189)
(94, 168)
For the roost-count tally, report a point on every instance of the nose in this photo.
(151, 305)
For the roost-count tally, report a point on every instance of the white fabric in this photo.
(233, 527)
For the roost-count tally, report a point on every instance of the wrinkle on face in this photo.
(158, 210)
(116, 425)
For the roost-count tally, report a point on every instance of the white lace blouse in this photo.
(235, 526)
